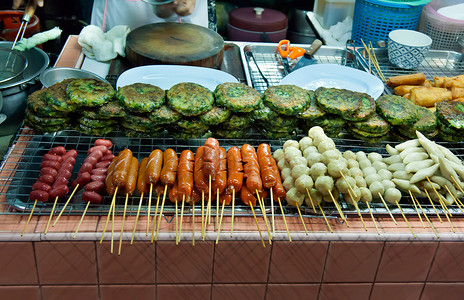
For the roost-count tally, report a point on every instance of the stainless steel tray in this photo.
(265, 57)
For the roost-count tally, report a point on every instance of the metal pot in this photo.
(15, 91)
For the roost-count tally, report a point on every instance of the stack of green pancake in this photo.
(90, 98)
(139, 101)
(405, 117)
(355, 109)
(237, 101)
(48, 109)
(277, 117)
(450, 115)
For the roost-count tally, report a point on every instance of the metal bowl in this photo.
(54, 75)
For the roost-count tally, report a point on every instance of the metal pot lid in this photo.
(37, 60)
(12, 64)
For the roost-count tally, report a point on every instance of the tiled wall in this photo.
(232, 270)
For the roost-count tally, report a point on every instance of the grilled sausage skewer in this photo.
(129, 189)
(234, 177)
(167, 178)
(154, 167)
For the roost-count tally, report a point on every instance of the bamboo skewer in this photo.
(51, 215)
(181, 216)
(29, 218)
(193, 223)
(272, 212)
(311, 200)
(372, 216)
(405, 219)
(203, 215)
(80, 221)
(217, 208)
(337, 206)
(263, 210)
(301, 218)
(208, 209)
(285, 220)
(386, 206)
(454, 198)
(257, 225)
(136, 219)
(154, 220)
(443, 206)
(177, 225)
(149, 207)
(359, 213)
(160, 214)
(433, 205)
(233, 209)
(112, 227)
(415, 207)
(109, 214)
(325, 218)
(122, 225)
(220, 223)
(446, 215)
(65, 205)
(425, 215)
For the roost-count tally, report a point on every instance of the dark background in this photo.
(72, 16)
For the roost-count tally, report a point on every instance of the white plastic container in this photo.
(330, 12)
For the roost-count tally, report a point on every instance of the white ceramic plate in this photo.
(165, 76)
(330, 75)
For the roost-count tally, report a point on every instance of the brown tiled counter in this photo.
(350, 263)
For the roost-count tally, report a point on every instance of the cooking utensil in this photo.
(15, 64)
(307, 58)
(250, 55)
(285, 51)
(175, 44)
(28, 13)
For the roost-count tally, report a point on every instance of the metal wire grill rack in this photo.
(436, 63)
(263, 64)
(22, 166)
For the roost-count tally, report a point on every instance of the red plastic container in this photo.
(12, 21)
(256, 24)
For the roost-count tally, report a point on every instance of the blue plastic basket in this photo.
(374, 19)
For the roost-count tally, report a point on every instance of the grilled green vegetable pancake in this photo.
(427, 124)
(344, 103)
(215, 116)
(229, 134)
(237, 97)
(164, 115)
(57, 98)
(139, 119)
(397, 110)
(263, 113)
(238, 121)
(95, 123)
(288, 100)
(365, 110)
(365, 134)
(313, 111)
(141, 97)
(190, 99)
(45, 121)
(191, 124)
(451, 114)
(374, 124)
(112, 109)
(89, 92)
(93, 131)
(282, 121)
(36, 103)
